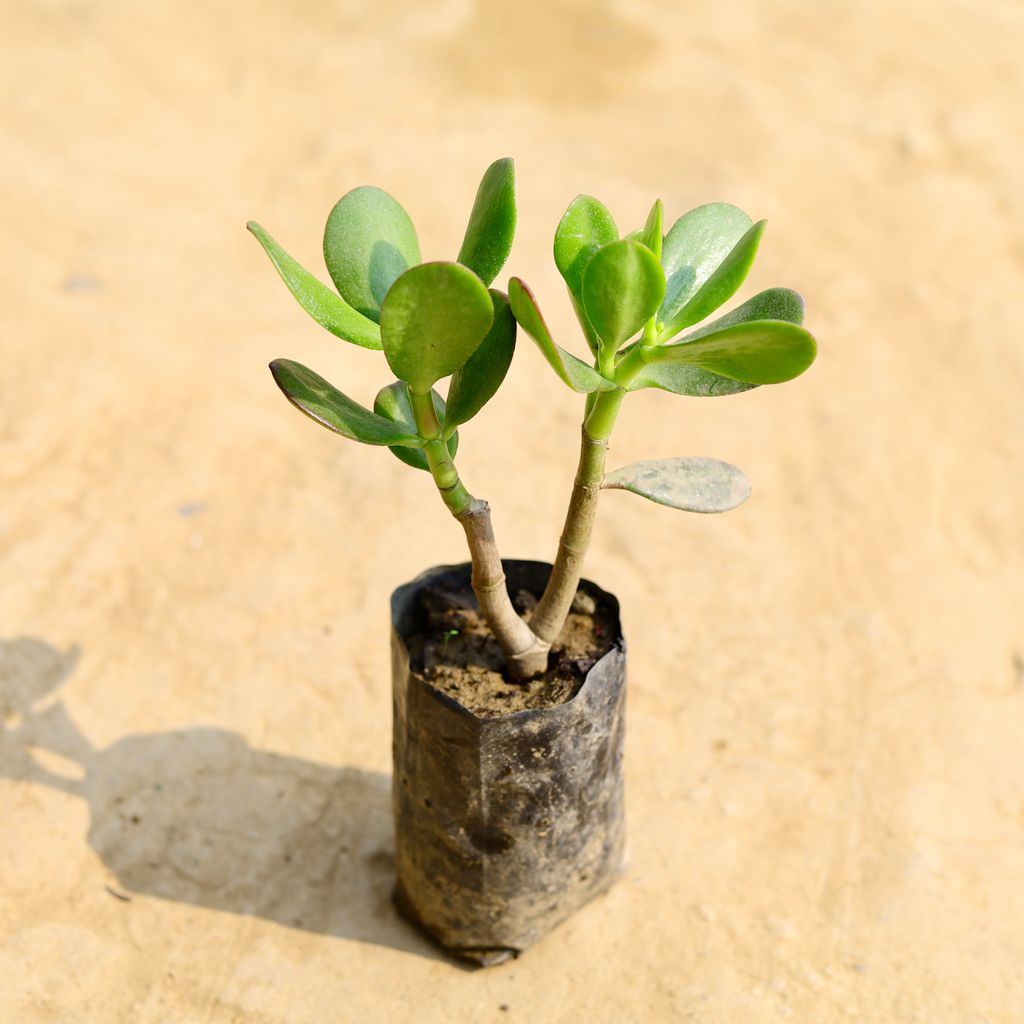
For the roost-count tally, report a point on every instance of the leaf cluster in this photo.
(635, 295)
(431, 320)
(656, 286)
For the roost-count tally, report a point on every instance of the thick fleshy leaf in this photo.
(393, 403)
(574, 372)
(650, 234)
(432, 321)
(476, 381)
(690, 484)
(323, 402)
(585, 226)
(723, 283)
(681, 379)
(492, 222)
(757, 352)
(694, 247)
(622, 289)
(369, 241)
(323, 304)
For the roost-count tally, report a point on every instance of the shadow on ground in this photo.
(200, 817)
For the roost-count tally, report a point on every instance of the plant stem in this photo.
(549, 617)
(523, 650)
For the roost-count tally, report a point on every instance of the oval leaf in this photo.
(721, 285)
(492, 222)
(690, 484)
(325, 306)
(369, 241)
(622, 289)
(476, 381)
(682, 379)
(758, 352)
(323, 402)
(393, 403)
(574, 372)
(432, 321)
(694, 247)
(585, 226)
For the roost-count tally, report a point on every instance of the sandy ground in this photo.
(826, 723)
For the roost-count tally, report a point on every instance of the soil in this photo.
(457, 654)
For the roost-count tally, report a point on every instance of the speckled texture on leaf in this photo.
(690, 484)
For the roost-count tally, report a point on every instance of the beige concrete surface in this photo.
(826, 722)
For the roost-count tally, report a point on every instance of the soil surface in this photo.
(457, 654)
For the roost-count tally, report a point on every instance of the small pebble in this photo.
(583, 604)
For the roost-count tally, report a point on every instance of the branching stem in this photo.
(526, 654)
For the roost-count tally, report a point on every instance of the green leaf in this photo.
(476, 381)
(369, 241)
(492, 222)
(393, 403)
(650, 235)
(323, 402)
(574, 372)
(585, 226)
(326, 307)
(696, 244)
(721, 285)
(681, 379)
(432, 321)
(690, 484)
(757, 352)
(622, 288)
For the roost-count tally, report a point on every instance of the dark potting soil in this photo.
(453, 649)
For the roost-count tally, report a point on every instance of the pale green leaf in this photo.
(369, 241)
(720, 286)
(694, 247)
(690, 484)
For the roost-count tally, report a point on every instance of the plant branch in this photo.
(526, 654)
(551, 612)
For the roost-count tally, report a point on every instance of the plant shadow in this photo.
(199, 816)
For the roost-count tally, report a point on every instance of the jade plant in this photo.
(640, 300)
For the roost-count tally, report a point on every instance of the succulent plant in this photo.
(640, 300)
